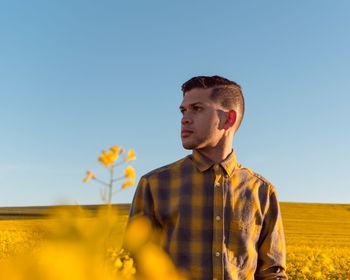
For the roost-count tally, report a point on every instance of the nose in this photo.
(186, 119)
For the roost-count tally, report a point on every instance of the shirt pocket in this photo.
(244, 232)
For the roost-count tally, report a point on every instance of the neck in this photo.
(215, 157)
(217, 153)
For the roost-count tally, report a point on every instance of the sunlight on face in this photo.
(202, 120)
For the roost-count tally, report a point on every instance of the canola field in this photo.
(317, 239)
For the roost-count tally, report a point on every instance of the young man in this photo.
(220, 219)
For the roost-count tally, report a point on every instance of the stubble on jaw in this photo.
(188, 146)
(201, 142)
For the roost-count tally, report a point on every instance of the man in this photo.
(220, 219)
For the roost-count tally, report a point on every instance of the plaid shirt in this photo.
(221, 221)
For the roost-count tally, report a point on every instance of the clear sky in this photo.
(77, 77)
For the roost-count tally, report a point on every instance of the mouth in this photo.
(186, 133)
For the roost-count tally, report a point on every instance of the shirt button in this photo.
(217, 184)
(216, 166)
(218, 218)
(217, 254)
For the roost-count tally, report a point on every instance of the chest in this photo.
(202, 199)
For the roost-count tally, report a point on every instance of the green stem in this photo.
(117, 191)
(100, 181)
(119, 163)
(110, 185)
(118, 179)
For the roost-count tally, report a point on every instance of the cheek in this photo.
(215, 123)
(207, 124)
(210, 127)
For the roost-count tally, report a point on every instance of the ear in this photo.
(231, 119)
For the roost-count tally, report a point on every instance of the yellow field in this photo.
(318, 240)
(317, 237)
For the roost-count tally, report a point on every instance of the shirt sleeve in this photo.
(271, 246)
(143, 203)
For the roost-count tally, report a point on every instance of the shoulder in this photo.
(169, 168)
(256, 178)
(265, 191)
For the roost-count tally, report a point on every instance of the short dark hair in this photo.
(225, 92)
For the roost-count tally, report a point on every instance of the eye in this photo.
(182, 110)
(197, 108)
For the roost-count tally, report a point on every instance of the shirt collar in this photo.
(203, 163)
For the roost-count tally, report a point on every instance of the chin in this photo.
(188, 146)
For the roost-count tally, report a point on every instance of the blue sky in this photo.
(77, 77)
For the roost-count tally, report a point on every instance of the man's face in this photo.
(202, 120)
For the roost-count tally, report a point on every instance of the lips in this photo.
(186, 132)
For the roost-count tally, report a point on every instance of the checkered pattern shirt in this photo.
(221, 221)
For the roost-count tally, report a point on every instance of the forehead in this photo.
(197, 95)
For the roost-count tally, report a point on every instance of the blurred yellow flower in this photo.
(129, 172)
(155, 264)
(305, 269)
(326, 259)
(138, 233)
(107, 158)
(89, 176)
(131, 155)
(116, 149)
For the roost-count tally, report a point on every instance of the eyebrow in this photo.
(191, 105)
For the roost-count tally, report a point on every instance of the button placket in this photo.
(217, 223)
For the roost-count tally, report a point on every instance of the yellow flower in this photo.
(326, 260)
(305, 269)
(102, 158)
(116, 149)
(131, 155)
(138, 233)
(129, 173)
(107, 158)
(89, 176)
